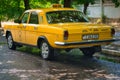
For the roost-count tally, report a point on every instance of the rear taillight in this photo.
(66, 34)
(112, 31)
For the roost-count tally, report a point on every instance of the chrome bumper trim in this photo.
(84, 42)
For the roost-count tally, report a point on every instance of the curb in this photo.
(1, 31)
(111, 52)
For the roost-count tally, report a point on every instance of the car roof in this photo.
(49, 9)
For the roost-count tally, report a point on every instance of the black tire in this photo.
(88, 52)
(10, 42)
(47, 52)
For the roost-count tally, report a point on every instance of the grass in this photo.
(31, 50)
(110, 58)
(2, 43)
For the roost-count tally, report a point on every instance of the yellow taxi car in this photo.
(58, 28)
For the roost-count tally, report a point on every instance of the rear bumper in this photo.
(85, 42)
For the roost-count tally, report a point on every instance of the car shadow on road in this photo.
(74, 57)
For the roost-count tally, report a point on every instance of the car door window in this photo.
(25, 18)
(33, 18)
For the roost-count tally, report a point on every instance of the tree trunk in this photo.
(0, 27)
(18, 5)
(67, 3)
(0, 24)
(85, 7)
(26, 4)
(57, 1)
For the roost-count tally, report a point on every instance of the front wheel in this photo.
(47, 52)
(10, 42)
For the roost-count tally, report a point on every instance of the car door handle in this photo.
(35, 28)
(19, 27)
(24, 26)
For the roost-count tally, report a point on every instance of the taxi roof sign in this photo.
(56, 6)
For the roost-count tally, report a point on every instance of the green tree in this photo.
(116, 2)
(42, 3)
(10, 9)
(2, 10)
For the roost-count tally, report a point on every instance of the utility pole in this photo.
(102, 9)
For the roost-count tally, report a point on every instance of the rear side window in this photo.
(33, 18)
(25, 18)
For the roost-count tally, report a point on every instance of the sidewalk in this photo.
(114, 48)
(3, 39)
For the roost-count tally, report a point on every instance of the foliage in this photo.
(42, 3)
(10, 9)
(117, 3)
(39, 4)
(13, 8)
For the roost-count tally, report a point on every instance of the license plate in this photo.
(90, 36)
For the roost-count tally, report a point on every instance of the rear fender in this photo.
(40, 39)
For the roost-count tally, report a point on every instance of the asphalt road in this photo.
(17, 65)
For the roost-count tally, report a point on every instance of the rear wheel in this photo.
(47, 52)
(10, 42)
(88, 51)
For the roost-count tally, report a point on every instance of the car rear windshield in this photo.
(66, 17)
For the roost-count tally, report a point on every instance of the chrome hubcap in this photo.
(45, 50)
(10, 41)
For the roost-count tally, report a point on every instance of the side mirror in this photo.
(17, 21)
(99, 21)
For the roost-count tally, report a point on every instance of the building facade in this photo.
(109, 9)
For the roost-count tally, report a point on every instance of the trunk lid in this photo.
(86, 31)
(75, 28)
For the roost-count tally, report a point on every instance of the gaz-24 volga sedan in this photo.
(58, 28)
